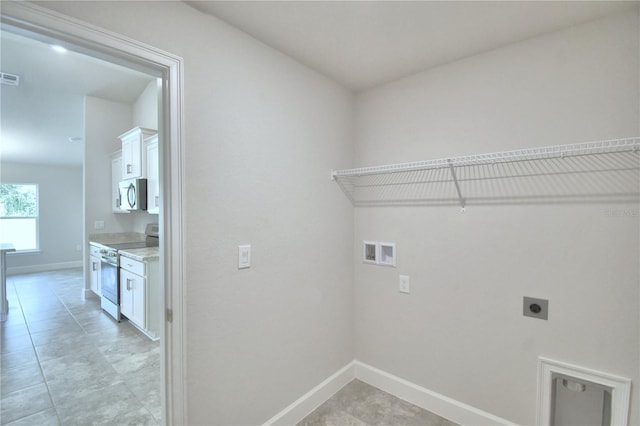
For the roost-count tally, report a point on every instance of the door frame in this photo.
(39, 22)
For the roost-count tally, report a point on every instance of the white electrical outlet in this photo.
(98, 224)
(405, 284)
(244, 256)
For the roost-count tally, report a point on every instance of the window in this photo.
(19, 215)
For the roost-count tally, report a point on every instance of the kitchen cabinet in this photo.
(94, 269)
(132, 291)
(133, 158)
(116, 177)
(140, 294)
(152, 173)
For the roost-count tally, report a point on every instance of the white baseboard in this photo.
(308, 402)
(43, 268)
(441, 405)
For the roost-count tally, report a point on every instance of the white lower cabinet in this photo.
(94, 269)
(139, 294)
(132, 297)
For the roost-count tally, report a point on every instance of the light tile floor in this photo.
(359, 404)
(66, 362)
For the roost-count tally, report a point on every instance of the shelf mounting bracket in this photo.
(455, 181)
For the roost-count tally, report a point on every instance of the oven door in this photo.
(110, 286)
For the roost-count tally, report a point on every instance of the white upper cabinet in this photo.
(133, 158)
(152, 173)
(116, 177)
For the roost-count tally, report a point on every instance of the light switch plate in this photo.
(244, 256)
(405, 284)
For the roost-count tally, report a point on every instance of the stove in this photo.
(110, 268)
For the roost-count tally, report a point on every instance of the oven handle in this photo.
(110, 260)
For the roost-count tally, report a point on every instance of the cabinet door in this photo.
(132, 297)
(126, 293)
(94, 274)
(116, 177)
(153, 178)
(139, 301)
(132, 157)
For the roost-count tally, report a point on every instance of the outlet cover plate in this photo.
(535, 308)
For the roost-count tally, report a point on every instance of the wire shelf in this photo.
(604, 171)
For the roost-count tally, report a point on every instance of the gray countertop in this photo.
(142, 254)
(6, 247)
(117, 238)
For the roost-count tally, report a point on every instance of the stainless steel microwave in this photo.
(133, 194)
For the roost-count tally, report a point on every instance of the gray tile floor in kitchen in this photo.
(359, 404)
(65, 362)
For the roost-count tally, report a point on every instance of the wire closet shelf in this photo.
(604, 171)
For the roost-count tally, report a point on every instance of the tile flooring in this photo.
(359, 404)
(65, 362)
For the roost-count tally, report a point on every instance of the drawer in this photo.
(94, 250)
(132, 265)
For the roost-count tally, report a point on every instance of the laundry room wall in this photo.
(461, 332)
(262, 134)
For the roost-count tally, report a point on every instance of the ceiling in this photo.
(38, 117)
(362, 44)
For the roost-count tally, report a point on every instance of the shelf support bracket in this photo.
(455, 181)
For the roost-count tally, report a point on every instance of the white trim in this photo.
(620, 389)
(24, 252)
(47, 23)
(15, 270)
(311, 400)
(439, 404)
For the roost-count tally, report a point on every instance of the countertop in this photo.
(117, 238)
(142, 254)
(6, 247)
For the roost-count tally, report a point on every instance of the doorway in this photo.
(42, 24)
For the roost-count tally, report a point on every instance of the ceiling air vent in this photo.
(10, 79)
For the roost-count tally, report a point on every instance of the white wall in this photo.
(104, 122)
(461, 331)
(145, 114)
(145, 108)
(60, 211)
(262, 134)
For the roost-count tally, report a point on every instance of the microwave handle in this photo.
(131, 196)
